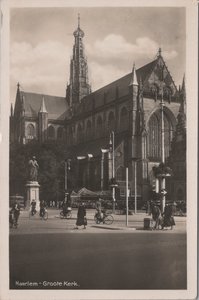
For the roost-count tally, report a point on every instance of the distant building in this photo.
(123, 116)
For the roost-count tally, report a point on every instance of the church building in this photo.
(107, 130)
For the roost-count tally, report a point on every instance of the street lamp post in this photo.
(102, 168)
(135, 187)
(135, 182)
(67, 168)
(113, 170)
(113, 181)
(162, 104)
(88, 169)
(127, 194)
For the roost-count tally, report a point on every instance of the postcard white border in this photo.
(192, 118)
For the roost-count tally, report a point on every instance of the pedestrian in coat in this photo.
(156, 214)
(168, 219)
(81, 216)
(16, 212)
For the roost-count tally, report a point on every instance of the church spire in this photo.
(43, 106)
(78, 20)
(183, 97)
(79, 86)
(134, 77)
(181, 124)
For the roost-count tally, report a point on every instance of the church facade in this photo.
(108, 130)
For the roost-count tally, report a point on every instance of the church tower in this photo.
(79, 85)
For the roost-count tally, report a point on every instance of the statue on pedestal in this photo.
(33, 169)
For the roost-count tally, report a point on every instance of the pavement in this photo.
(134, 223)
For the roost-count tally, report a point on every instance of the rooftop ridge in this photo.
(128, 74)
(33, 93)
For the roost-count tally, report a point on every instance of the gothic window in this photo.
(168, 135)
(111, 121)
(88, 129)
(30, 131)
(79, 134)
(60, 133)
(124, 119)
(51, 132)
(99, 127)
(154, 136)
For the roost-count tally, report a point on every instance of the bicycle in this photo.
(106, 219)
(12, 220)
(67, 215)
(44, 214)
(32, 213)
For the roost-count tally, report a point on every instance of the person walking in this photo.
(168, 219)
(16, 212)
(156, 215)
(42, 208)
(98, 207)
(81, 216)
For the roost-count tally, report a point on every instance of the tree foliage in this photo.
(50, 157)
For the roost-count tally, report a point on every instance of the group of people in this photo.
(162, 220)
(42, 207)
(165, 219)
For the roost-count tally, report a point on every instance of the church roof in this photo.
(56, 107)
(119, 87)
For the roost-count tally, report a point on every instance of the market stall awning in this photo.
(85, 192)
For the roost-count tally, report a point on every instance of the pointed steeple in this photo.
(182, 108)
(79, 86)
(181, 123)
(78, 20)
(183, 89)
(78, 32)
(43, 106)
(134, 77)
(43, 121)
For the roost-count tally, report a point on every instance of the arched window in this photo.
(155, 134)
(30, 131)
(111, 121)
(124, 120)
(88, 129)
(51, 132)
(154, 138)
(60, 133)
(168, 135)
(99, 127)
(79, 134)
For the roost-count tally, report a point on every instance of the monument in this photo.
(32, 185)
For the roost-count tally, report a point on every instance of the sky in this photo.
(41, 42)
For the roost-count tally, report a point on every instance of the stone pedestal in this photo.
(32, 192)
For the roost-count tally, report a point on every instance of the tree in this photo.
(50, 157)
